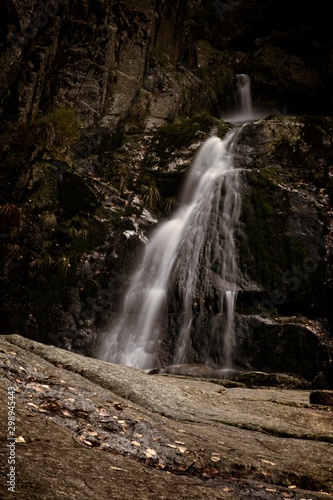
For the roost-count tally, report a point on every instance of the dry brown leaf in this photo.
(35, 387)
(100, 409)
(137, 435)
(150, 453)
(33, 405)
(267, 462)
(172, 446)
(182, 449)
(20, 439)
(91, 432)
(135, 443)
(87, 442)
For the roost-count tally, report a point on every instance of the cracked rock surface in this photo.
(86, 427)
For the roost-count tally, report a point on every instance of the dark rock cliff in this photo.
(102, 107)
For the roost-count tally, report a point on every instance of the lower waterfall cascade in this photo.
(195, 246)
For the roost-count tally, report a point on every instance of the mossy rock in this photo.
(180, 134)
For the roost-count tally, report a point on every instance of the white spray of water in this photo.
(246, 111)
(173, 255)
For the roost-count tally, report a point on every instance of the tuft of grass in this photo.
(170, 204)
(59, 128)
(63, 264)
(152, 196)
(49, 220)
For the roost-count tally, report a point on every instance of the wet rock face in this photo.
(285, 243)
(99, 68)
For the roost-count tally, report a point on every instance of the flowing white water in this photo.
(209, 243)
(245, 110)
(200, 231)
(243, 84)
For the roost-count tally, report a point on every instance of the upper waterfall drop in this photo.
(246, 111)
(244, 98)
(182, 257)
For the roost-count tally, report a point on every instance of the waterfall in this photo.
(246, 111)
(244, 99)
(178, 264)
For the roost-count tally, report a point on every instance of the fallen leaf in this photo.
(35, 387)
(135, 443)
(33, 405)
(137, 435)
(20, 439)
(181, 430)
(182, 449)
(91, 432)
(66, 413)
(100, 409)
(179, 442)
(150, 453)
(267, 462)
(156, 439)
(215, 459)
(86, 442)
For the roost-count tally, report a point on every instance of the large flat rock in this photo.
(91, 429)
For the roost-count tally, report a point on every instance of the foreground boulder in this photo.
(86, 429)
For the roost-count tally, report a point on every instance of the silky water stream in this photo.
(178, 261)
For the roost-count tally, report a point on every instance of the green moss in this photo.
(179, 134)
(267, 251)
